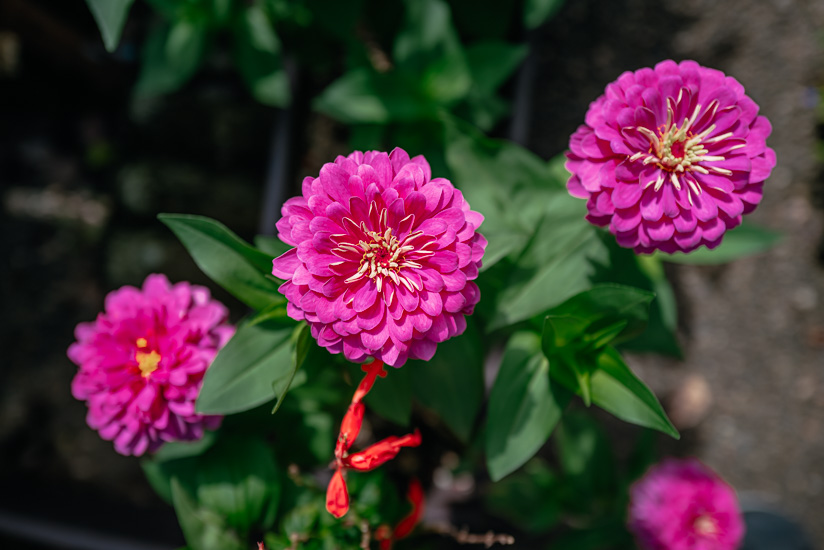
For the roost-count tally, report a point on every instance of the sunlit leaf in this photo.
(523, 407)
(226, 259)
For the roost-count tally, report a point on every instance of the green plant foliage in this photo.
(229, 261)
(222, 494)
(576, 340)
(536, 12)
(110, 16)
(523, 407)
(557, 249)
(451, 383)
(428, 46)
(258, 57)
(741, 242)
(528, 498)
(171, 55)
(645, 272)
(257, 365)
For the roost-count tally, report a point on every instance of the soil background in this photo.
(84, 169)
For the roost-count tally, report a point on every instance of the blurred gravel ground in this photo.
(753, 330)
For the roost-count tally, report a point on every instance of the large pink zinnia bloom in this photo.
(670, 157)
(384, 257)
(142, 363)
(683, 505)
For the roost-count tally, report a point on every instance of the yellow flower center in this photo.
(705, 526)
(146, 362)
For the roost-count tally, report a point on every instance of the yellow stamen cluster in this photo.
(147, 362)
(676, 150)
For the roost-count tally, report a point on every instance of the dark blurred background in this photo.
(85, 167)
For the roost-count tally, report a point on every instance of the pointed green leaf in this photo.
(523, 407)
(428, 48)
(110, 16)
(302, 343)
(171, 56)
(246, 371)
(258, 57)
(229, 261)
(617, 390)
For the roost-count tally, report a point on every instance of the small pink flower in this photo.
(384, 257)
(671, 157)
(142, 363)
(683, 505)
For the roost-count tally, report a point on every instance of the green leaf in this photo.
(586, 456)
(171, 55)
(537, 12)
(391, 397)
(272, 246)
(183, 449)
(618, 391)
(598, 316)
(499, 246)
(363, 96)
(226, 259)
(743, 241)
(110, 16)
(302, 342)
(492, 63)
(523, 407)
(428, 48)
(239, 480)
(258, 57)
(246, 371)
(556, 264)
(645, 272)
(451, 383)
(203, 529)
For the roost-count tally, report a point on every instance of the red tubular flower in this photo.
(415, 496)
(337, 495)
(385, 537)
(381, 452)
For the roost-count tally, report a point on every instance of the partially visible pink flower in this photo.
(683, 505)
(142, 363)
(384, 257)
(671, 157)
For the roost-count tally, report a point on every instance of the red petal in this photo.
(349, 428)
(381, 452)
(372, 370)
(415, 496)
(337, 497)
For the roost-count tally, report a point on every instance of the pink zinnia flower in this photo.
(384, 257)
(683, 505)
(142, 363)
(671, 157)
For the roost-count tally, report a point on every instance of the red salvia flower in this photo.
(337, 495)
(385, 537)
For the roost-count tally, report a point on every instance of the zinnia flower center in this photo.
(147, 362)
(384, 256)
(677, 150)
(705, 526)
